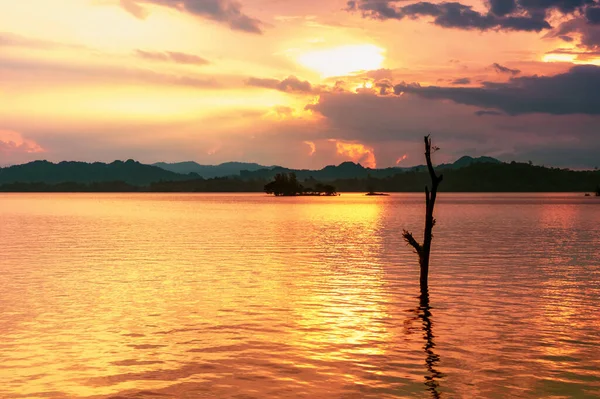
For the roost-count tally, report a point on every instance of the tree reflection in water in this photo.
(423, 313)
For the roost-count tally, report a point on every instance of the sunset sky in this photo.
(300, 83)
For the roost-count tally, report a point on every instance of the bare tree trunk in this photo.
(430, 196)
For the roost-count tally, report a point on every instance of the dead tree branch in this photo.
(424, 250)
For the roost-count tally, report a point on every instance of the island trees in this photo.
(284, 184)
(288, 185)
(424, 250)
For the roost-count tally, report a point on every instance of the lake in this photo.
(248, 296)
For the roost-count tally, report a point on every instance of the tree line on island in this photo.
(287, 184)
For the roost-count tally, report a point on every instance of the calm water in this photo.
(247, 296)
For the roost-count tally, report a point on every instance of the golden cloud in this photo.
(312, 146)
(357, 152)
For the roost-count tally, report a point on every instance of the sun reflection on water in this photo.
(250, 296)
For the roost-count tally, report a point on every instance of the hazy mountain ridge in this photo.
(210, 171)
(351, 170)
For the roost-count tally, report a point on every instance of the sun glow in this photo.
(573, 58)
(344, 60)
(554, 57)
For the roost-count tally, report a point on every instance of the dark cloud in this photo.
(566, 38)
(384, 86)
(565, 155)
(461, 81)
(589, 33)
(564, 6)
(387, 123)
(172, 56)
(592, 14)
(517, 15)
(492, 113)
(573, 92)
(228, 12)
(289, 85)
(502, 7)
(502, 69)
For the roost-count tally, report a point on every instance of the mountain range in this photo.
(135, 173)
(464, 175)
(351, 170)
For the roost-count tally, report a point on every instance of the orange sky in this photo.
(303, 84)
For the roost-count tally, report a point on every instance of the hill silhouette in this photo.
(130, 172)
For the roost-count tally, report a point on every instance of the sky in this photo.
(302, 84)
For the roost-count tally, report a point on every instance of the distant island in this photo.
(373, 193)
(465, 175)
(288, 185)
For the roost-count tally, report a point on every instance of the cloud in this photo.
(515, 15)
(401, 159)
(492, 113)
(581, 55)
(502, 69)
(461, 81)
(133, 8)
(13, 40)
(592, 14)
(13, 144)
(357, 152)
(228, 12)
(502, 7)
(394, 125)
(454, 15)
(589, 32)
(573, 92)
(312, 146)
(289, 85)
(67, 73)
(566, 38)
(172, 56)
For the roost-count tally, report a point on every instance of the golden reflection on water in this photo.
(249, 296)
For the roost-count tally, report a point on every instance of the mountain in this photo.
(210, 171)
(130, 172)
(467, 161)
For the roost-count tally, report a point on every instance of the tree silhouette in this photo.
(424, 250)
(284, 184)
(288, 185)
